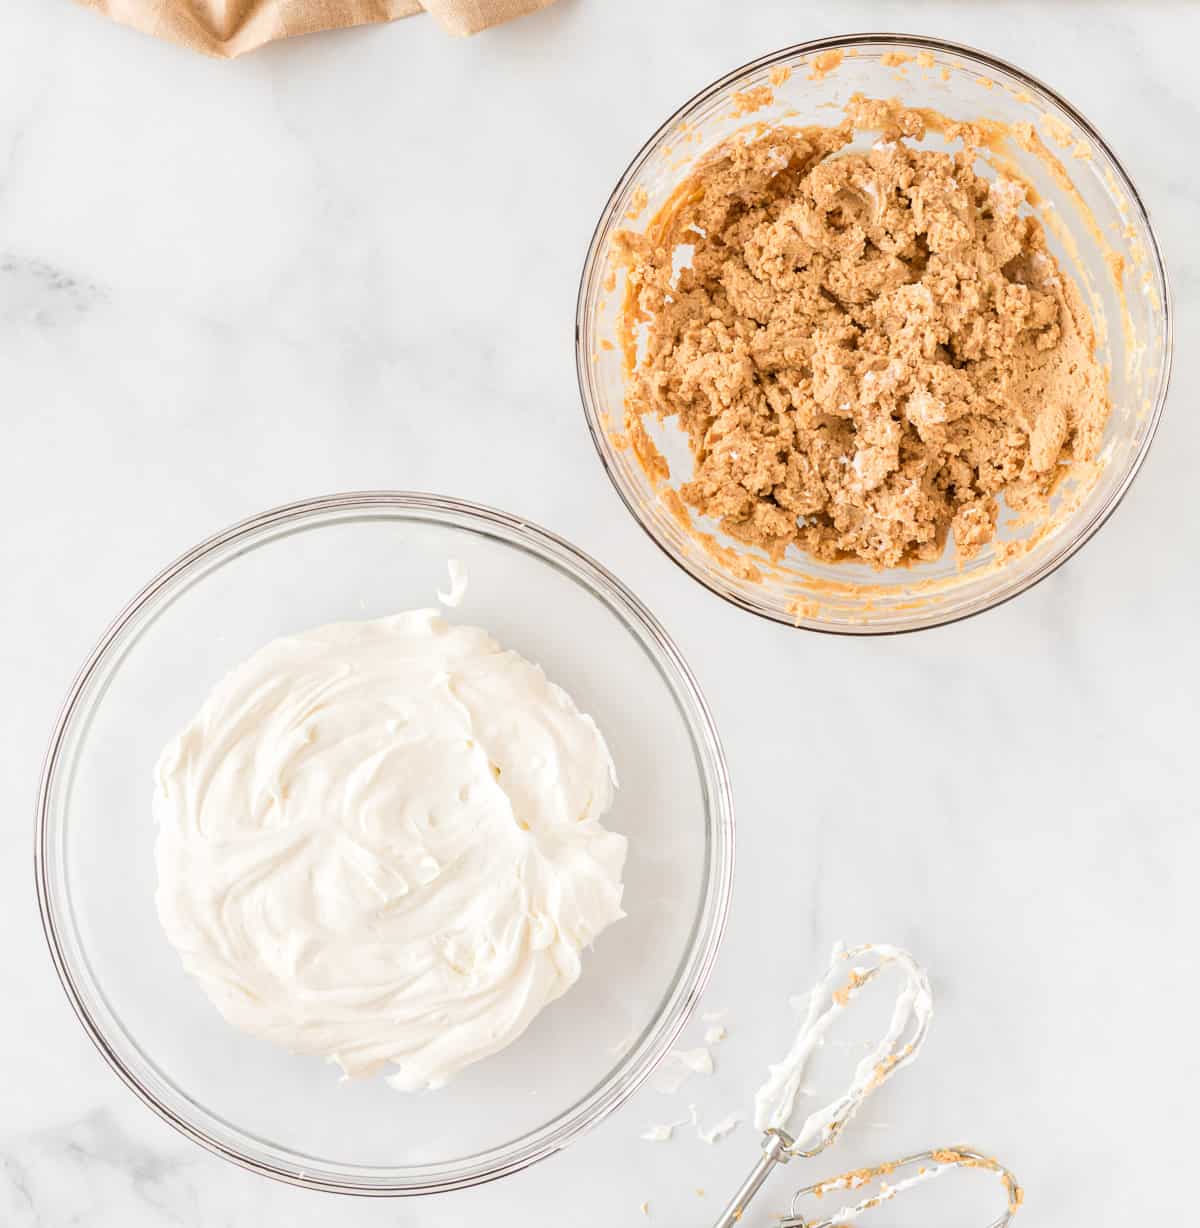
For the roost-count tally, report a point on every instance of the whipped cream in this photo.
(453, 596)
(381, 842)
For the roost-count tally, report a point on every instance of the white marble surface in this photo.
(352, 262)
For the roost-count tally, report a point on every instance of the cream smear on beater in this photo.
(775, 1101)
(926, 1166)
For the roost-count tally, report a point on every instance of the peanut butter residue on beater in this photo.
(865, 349)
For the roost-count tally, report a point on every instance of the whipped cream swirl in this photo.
(381, 842)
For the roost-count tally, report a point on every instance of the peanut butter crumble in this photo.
(865, 349)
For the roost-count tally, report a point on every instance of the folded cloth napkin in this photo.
(228, 28)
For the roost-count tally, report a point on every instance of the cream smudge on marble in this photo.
(663, 1131)
(678, 1066)
(720, 1129)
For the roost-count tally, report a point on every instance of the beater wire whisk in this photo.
(774, 1104)
(928, 1165)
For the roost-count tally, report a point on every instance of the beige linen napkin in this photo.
(229, 28)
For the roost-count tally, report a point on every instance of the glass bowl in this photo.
(1116, 265)
(362, 556)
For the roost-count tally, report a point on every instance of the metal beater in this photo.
(928, 1165)
(775, 1101)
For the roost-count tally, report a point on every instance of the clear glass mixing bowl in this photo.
(361, 556)
(1131, 306)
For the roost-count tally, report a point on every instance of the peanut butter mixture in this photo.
(864, 349)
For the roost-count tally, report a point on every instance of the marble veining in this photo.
(46, 296)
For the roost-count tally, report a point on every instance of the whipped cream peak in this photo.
(381, 842)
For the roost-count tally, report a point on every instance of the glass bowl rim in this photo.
(704, 943)
(1073, 543)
